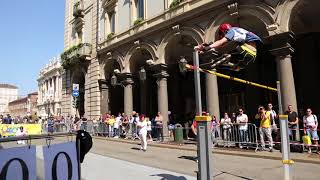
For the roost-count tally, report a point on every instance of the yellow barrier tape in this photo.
(283, 117)
(288, 161)
(232, 78)
(203, 118)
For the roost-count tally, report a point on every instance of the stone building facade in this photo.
(8, 93)
(25, 106)
(125, 34)
(50, 88)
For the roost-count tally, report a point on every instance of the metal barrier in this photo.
(237, 135)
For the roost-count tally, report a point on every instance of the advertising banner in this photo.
(60, 161)
(11, 129)
(18, 163)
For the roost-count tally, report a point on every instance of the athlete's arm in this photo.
(219, 43)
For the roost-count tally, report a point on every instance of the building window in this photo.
(112, 22)
(140, 8)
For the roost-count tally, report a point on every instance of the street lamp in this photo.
(182, 65)
(114, 80)
(142, 74)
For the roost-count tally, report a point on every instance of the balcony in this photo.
(109, 5)
(78, 10)
(76, 54)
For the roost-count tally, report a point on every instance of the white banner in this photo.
(60, 161)
(18, 163)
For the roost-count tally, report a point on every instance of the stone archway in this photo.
(233, 95)
(181, 92)
(144, 90)
(79, 77)
(114, 94)
(303, 22)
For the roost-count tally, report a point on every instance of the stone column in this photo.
(281, 48)
(287, 87)
(128, 98)
(285, 74)
(212, 95)
(104, 104)
(163, 99)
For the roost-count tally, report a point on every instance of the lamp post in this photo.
(142, 74)
(203, 127)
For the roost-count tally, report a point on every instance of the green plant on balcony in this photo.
(110, 35)
(175, 3)
(137, 21)
(67, 61)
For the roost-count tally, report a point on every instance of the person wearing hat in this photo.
(247, 44)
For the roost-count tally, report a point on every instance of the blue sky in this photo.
(31, 33)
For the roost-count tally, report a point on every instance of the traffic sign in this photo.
(75, 93)
(75, 87)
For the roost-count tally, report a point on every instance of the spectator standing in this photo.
(7, 120)
(125, 126)
(142, 125)
(116, 126)
(50, 124)
(242, 120)
(149, 129)
(293, 121)
(215, 130)
(234, 117)
(310, 122)
(159, 126)
(226, 125)
(133, 121)
(21, 132)
(265, 127)
(171, 124)
(274, 117)
(111, 122)
(76, 124)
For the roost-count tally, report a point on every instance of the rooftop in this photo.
(8, 86)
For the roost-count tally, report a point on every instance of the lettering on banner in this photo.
(24, 167)
(54, 165)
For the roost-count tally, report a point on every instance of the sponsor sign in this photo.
(18, 163)
(11, 129)
(61, 161)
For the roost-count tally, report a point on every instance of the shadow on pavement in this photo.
(135, 148)
(170, 177)
(192, 158)
(242, 177)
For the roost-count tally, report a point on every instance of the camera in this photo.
(260, 108)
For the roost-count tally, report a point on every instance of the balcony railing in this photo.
(75, 54)
(78, 10)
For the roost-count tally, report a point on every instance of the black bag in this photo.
(85, 145)
(295, 147)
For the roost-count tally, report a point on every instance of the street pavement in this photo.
(225, 166)
(115, 160)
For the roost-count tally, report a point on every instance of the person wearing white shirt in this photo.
(149, 129)
(242, 120)
(21, 132)
(310, 122)
(116, 126)
(142, 125)
(226, 125)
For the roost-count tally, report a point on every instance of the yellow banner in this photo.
(11, 129)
